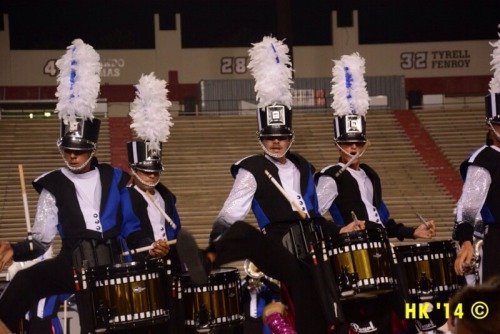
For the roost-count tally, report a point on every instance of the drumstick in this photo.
(25, 203)
(167, 218)
(354, 218)
(145, 248)
(65, 316)
(422, 220)
(302, 214)
(354, 157)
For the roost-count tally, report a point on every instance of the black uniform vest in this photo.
(349, 198)
(269, 204)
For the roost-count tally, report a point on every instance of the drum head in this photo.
(355, 237)
(130, 268)
(223, 275)
(431, 247)
(216, 276)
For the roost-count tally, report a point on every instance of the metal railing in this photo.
(40, 108)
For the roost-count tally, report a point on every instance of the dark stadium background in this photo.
(128, 24)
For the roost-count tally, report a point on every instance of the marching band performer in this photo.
(86, 202)
(481, 188)
(349, 185)
(275, 317)
(258, 292)
(278, 186)
(351, 189)
(43, 316)
(152, 202)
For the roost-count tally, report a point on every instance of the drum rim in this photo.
(151, 263)
(213, 277)
(428, 244)
(360, 236)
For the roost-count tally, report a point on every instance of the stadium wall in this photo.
(450, 68)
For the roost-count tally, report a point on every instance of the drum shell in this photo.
(214, 304)
(435, 259)
(366, 253)
(129, 294)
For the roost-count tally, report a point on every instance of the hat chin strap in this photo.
(144, 183)
(274, 155)
(345, 152)
(495, 133)
(81, 167)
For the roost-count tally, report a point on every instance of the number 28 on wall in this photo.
(230, 65)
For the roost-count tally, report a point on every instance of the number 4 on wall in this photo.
(50, 68)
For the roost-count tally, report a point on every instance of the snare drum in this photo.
(428, 269)
(214, 304)
(362, 262)
(128, 294)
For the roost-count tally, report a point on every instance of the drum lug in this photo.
(347, 282)
(204, 317)
(425, 287)
(103, 315)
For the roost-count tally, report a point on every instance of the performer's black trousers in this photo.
(49, 277)
(491, 248)
(46, 278)
(243, 241)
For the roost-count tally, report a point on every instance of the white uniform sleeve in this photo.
(45, 226)
(239, 201)
(327, 191)
(474, 192)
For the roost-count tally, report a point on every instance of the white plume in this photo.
(495, 63)
(271, 68)
(78, 82)
(349, 87)
(150, 117)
